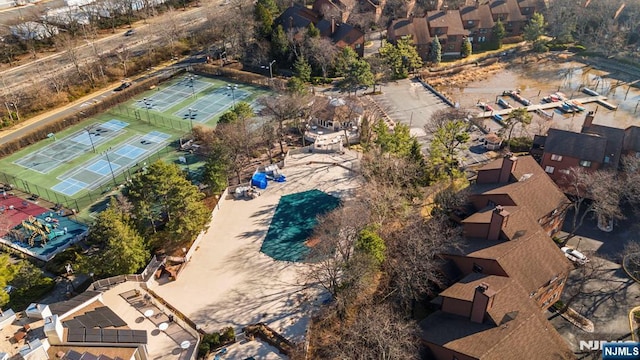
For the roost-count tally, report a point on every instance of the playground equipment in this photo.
(36, 228)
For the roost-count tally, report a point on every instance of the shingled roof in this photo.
(615, 140)
(416, 27)
(517, 329)
(480, 14)
(588, 147)
(508, 7)
(632, 139)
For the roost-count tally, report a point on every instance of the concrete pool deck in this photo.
(229, 282)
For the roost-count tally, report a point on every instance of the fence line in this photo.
(91, 196)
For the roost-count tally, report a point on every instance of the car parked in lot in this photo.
(575, 256)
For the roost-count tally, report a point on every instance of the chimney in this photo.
(508, 165)
(588, 121)
(333, 25)
(477, 4)
(411, 17)
(482, 302)
(498, 221)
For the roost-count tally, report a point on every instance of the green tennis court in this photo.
(293, 222)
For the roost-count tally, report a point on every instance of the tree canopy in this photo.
(163, 199)
(401, 58)
(122, 249)
(435, 53)
(535, 28)
(448, 140)
(498, 34)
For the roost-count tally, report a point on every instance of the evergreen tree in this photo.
(436, 51)
(296, 86)
(269, 5)
(344, 60)
(358, 74)
(370, 243)
(302, 69)
(123, 250)
(447, 141)
(216, 169)
(467, 48)
(264, 21)
(163, 196)
(535, 28)
(279, 43)
(498, 34)
(401, 58)
(7, 272)
(312, 31)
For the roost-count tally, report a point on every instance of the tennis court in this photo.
(107, 165)
(71, 146)
(212, 104)
(174, 94)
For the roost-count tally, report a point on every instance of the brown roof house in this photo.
(342, 34)
(511, 270)
(595, 147)
(509, 13)
(477, 19)
(447, 26)
(415, 27)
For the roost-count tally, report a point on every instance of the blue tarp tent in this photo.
(259, 180)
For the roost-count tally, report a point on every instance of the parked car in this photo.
(122, 86)
(129, 32)
(575, 255)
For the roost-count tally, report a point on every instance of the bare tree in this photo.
(441, 117)
(596, 192)
(335, 265)
(283, 108)
(414, 258)
(322, 53)
(375, 332)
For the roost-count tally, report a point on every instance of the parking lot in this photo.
(601, 290)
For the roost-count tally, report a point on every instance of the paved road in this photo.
(30, 125)
(147, 36)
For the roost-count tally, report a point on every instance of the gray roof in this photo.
(577, 145)
(615, 139)
(63, 307)
(632, 139)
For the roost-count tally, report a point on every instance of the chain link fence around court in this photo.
(83, 201)
(144, 115)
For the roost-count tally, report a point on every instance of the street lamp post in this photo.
(113, 176)
(88, 130)
(270, 69)
(148, 103)
(233, 94)
(192, 114)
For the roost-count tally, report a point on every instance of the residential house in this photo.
(477, 19)
(595, 147)
(340, 33)
(529, 7)
(447, 26)
(331, 8)
(631, 144)
(415, 27)
(511, 270)
(341, 10)
(508, 12)
(123, 322)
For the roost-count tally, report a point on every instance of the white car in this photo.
(575, 255)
